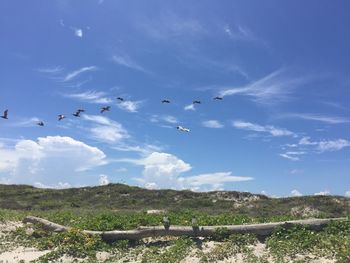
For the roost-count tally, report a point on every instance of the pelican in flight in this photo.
(40, 123)
(218, 98)
(120, 98)
(5, 114)
(165, 101)
(196, 102)
(77, 114)
(61, 117)
(107, 108)
(180, 128)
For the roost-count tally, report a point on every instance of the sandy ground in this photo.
(26, 254)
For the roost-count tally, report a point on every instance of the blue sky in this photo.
(282, 70)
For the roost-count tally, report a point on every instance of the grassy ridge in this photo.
(123, 197)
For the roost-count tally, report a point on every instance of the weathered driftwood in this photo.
(201, 231)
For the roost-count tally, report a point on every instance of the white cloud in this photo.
(76, 73)
(325, 145)
(306, 141)
(164, 170)
(100, 97)
(143, 150)
(317, 117)
(271, 89)
(103, 179)
(347, 194)
(91, 96)
(172, 27)
(130, 106)
(240, 33)
(290, 157)
(49, 160)
(166, 118)
(215, 180)
(105, 129)
(325, 192)
(78, 32)
(60, 185)
(295, 193)
(30, 122)
(212, 124)
(53, 70)
(276, 132)
(331, 146)
(126, 61)
(296, 171)
(190, 107)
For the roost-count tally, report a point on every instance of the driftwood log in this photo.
(264, 229)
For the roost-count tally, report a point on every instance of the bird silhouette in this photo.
(183, 129)
(107, 108)
(196, 102)
(218, 98)
(165, 101)
(5, 114)
(120, 98)
(40, 123)
(61, 117)
(77, 113)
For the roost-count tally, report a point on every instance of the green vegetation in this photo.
(122, 198)
(106, 208)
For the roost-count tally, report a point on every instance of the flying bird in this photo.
(180, 128)
(165, 101)
(5, 114)
(77, 113)
(218, 98)
(120, 98)
(40, 123)
(107, 108)
(196, 102)
(61, 117)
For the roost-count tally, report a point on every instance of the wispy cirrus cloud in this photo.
(171, 27)
(240, 32)
(51, 70)
(144, 149)
(316, 117)
(25, 122)
(126, 61)
(215, 124)
(274, 88)
(74, 74)
(164, 118)
(91, 96)
(274, 131)
(105, 129)
(325, 145)
(293, 156)
(129, 105)
(101, 97)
